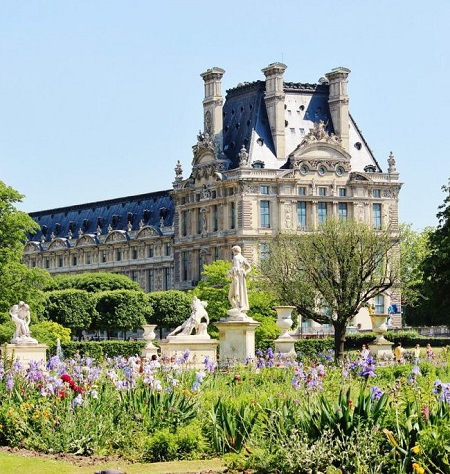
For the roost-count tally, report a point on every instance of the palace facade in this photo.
(272, 156)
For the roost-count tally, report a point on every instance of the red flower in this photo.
(66, 378)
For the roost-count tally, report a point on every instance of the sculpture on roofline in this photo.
(194, 322)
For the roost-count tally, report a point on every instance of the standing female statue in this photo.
(237, 295)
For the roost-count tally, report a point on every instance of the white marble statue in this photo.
(194, 322)
(237, 294)
(20, 315)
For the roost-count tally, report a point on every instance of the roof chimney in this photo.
(275, 105)
(338, 101)
(213, 105)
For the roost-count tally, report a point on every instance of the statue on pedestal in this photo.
(237, 294)
(20, 315)
(194, 322)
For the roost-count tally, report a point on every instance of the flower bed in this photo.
(271, 415)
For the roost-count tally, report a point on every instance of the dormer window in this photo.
(258, 165)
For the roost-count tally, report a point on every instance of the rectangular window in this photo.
(150, 251)
(232, 215)
(150, 281)
(301, 214)
(167, 249)
(166, 272)
(184, 266)
(103, 257)
(265, 214)
(60, 262)
(264, 189)
(47, 263)
(376, 193)
(118, 255)
(342, 211)
(199, 222)
(135, 254)
(215, 218)
(134, 275)
(321, 212)
(302, 191)
(87, 258)
(379, 304)
(184, 217)
(342, 192)
(216, 253)
(376, 216)
(322, 191)
(74, 260)
(263, 251)
(200, 266)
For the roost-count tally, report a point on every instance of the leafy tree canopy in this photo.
(71, 308)
(435, 306)
(331, 273)
(94, 282)
(121, 309)
(170, 308)
(14, 226)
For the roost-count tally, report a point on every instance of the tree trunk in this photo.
(339, 339)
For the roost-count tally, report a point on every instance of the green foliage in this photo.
(121, 309)
(159, 409)
(170, 308)
(310, 347)
(434, 307)
(48, 332)
(101, 349)
(213, 288)
(230, 426)
(94, 282)
(331, 273)
(71, 308)
(6, 332)
(266, 332)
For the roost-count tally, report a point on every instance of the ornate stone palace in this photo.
(273, 156)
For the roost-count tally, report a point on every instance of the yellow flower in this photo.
(415, 449)
(417, 468)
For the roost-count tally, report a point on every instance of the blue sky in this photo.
(100, 98)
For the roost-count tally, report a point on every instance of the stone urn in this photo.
(379, 327)
(149, 335)
(380, 347)
(284, 319)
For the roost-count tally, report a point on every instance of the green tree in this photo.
(414, 248)
(123, 310)
(435, 306)
(170, 308)
(71, 308)
(94, 282)
(48, 332)
(331, 273)
(17, 282)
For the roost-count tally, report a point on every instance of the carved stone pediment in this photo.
(85, 240)
(58, 243)
(116, 236)
(32, 247)
(148, 231)
(359, 177)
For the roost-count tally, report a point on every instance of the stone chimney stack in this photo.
(338, 102)
(213, 104)
(275, 105)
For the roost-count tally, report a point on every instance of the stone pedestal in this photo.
(200, 347)
(237, 338)
(380, 347)
(25, 352)
(285, 343)
(149, 335)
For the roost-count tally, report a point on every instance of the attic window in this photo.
(302, 107)
(358, 145)
(238, 125)
(258, 165)
(260, 141)
(242, 109)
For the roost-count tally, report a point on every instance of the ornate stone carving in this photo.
(243, 157)
(391, 163)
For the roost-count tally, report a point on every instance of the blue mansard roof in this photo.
(153, 209)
